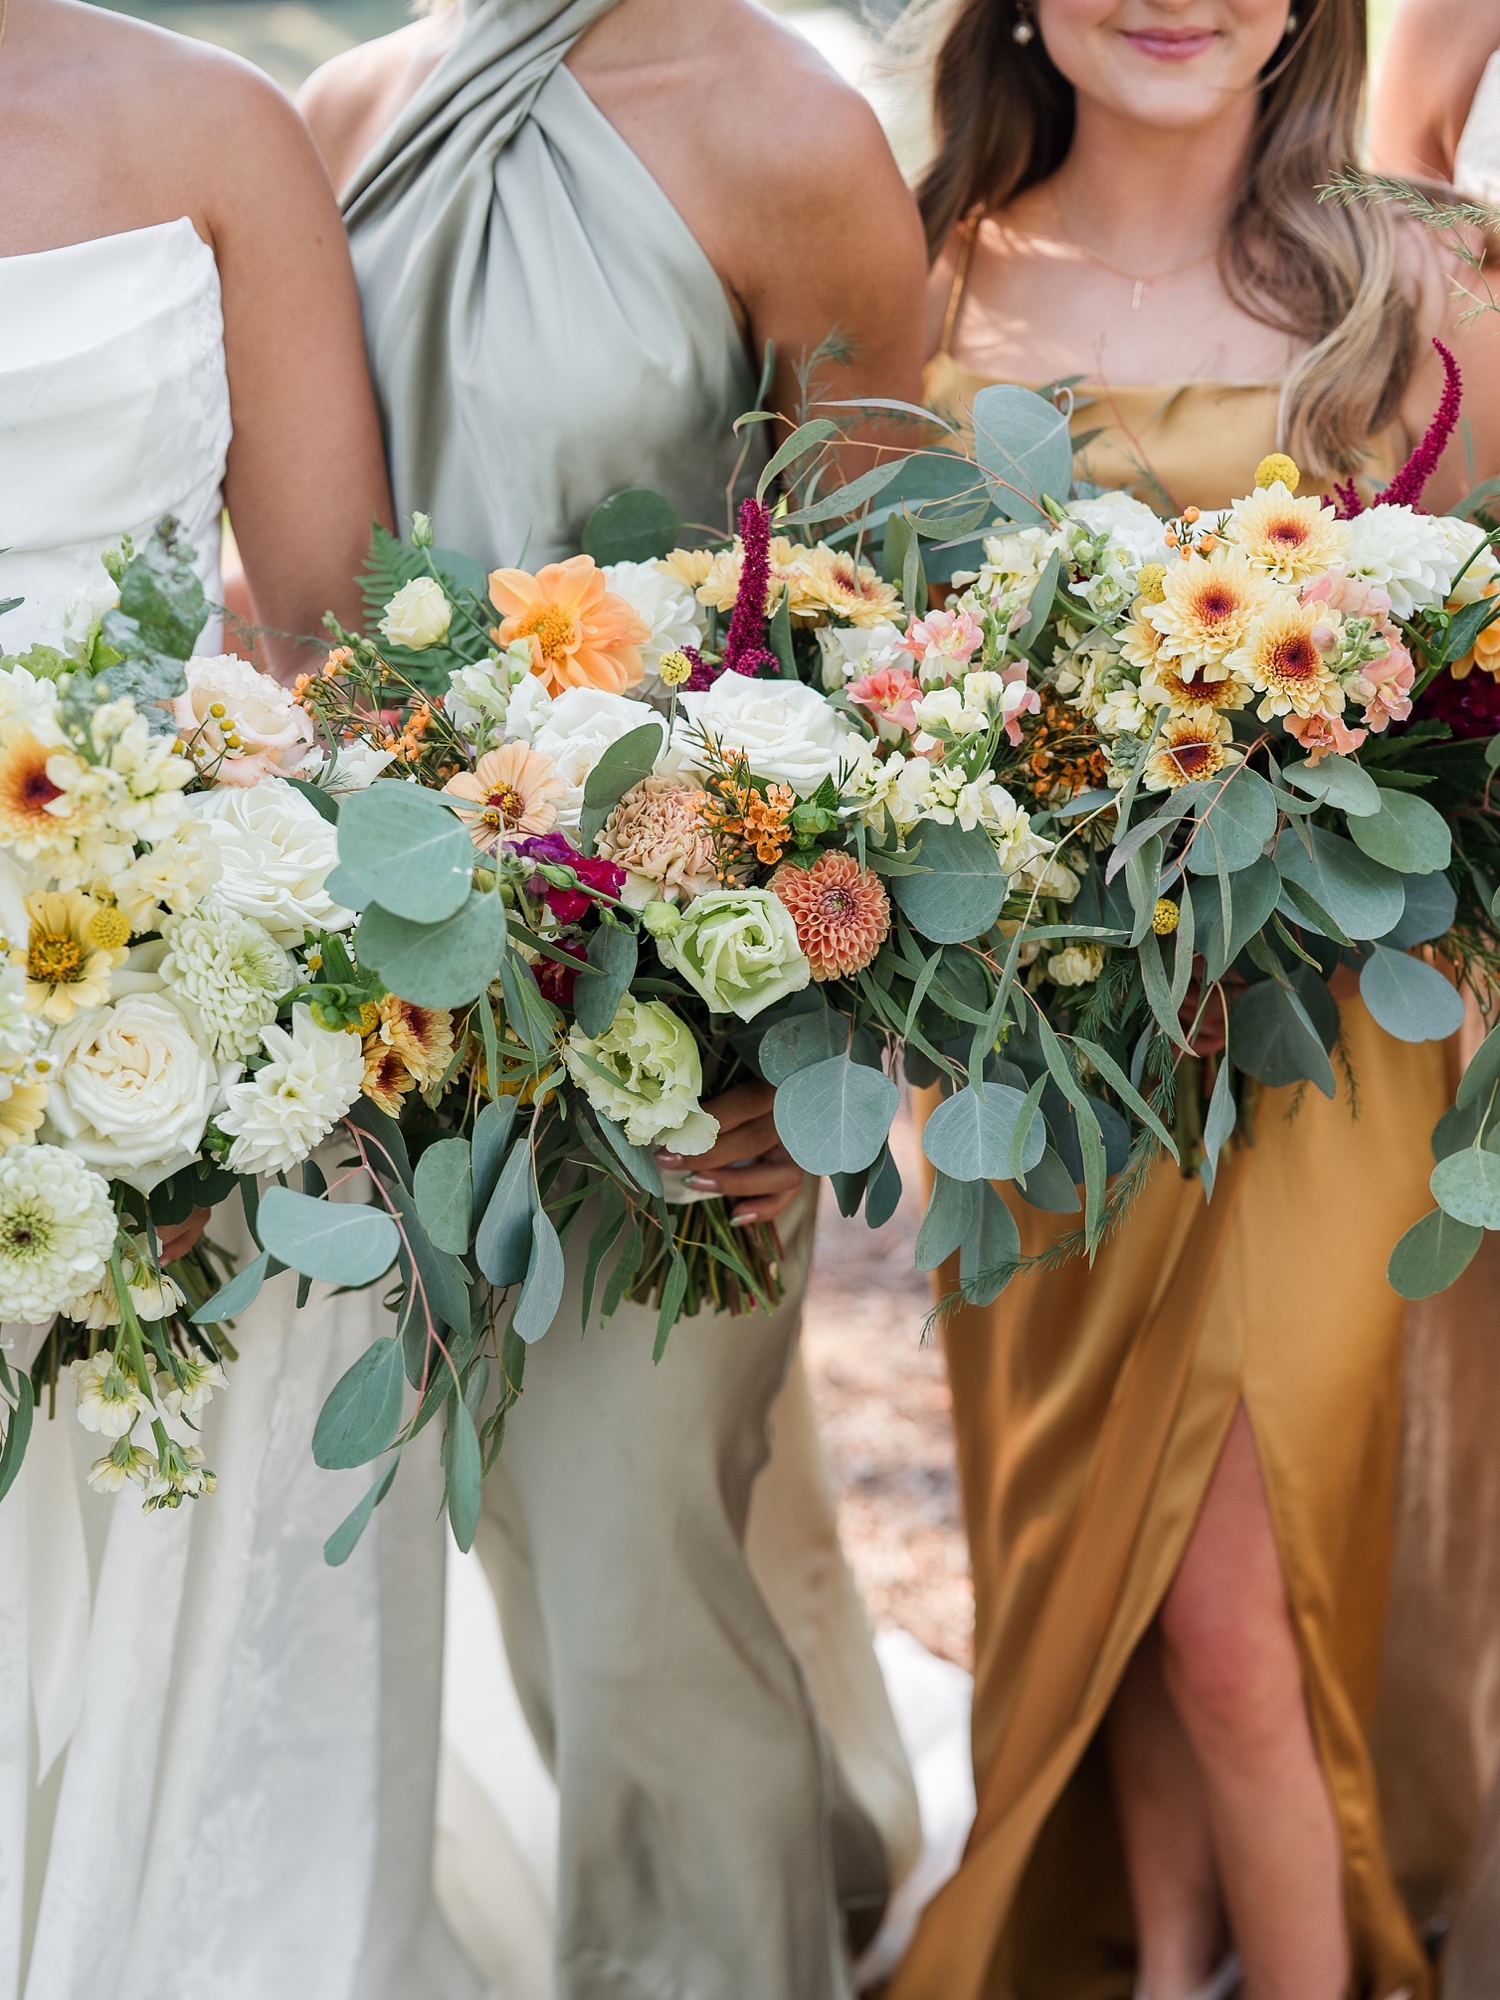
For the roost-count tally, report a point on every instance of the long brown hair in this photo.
(1328, 276)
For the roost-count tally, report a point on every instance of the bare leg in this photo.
(1230, 1663)
(1169, 1851)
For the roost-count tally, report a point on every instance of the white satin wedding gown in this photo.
(217, 1755)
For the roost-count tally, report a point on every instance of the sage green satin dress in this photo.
(545, 330)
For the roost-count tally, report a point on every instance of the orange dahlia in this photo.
(515, 790)
(581, 634)
(841, 911)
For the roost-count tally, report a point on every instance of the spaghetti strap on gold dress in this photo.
(1091, 1406)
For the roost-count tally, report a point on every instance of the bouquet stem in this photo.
(720, 1259)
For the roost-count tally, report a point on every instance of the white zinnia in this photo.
(56, 1230)
(661, 601)
(276, 851)
(1410, 555)
(133, 1084)
(289, 1106)
(787, 732)
(577, 729)
(231, 969)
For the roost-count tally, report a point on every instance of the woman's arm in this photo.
(1428, 76)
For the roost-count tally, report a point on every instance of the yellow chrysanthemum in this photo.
(421, 1036)
(830, 581)
(1208, 604)
(1289, 539)
(721, 585)
(1190, 747)
(689, 566)
(1162, 686)
(65, 968)
(1276, 466)
(1282, 661)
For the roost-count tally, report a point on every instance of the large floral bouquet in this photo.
(164, 901)
(1261, 751)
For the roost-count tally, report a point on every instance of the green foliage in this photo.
(407, 851)
(1407, 834)
(362, 1413)
(1466, 1185)
(626, 762)
(541, 1294)
(1432, 1254)
(949, 1215)
(1362, 897)
(968, 1137)
(444, 1189)
(635, 525)
(444, 964)
(1023, 442)
(342, 1243)
(837, 1118)
(961, 892)
(1409, 999)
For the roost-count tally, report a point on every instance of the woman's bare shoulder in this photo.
(351, 100)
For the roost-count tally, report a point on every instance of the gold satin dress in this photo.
(1091, 1406)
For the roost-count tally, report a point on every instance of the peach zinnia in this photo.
(515, 791)
(581, 633)
(841, 911)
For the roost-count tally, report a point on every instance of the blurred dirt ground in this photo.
(882, 1399)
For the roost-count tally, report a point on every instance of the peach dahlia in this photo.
(841, 911)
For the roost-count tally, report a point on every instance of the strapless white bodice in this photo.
(114, 410)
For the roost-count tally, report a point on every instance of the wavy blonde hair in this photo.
(1324, 275)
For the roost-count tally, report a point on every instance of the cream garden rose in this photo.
(787, 732)
(275, 852)
(579, 726)
(418, 616)
(239, 725)
(737, 949)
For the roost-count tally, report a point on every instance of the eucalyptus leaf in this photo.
(1466, 1185)
(341, 1543)
(238, 1295)
(637, 1162)
(17, 1434)
(883, 1194)
(1243, 817)
(968, 1137)
(597, 993)
(1336, 781)
(1459, 1127)
(837, 1118)
(1363, 898)
(802, 1040)
(407, 852)
(1023, 442)
(990, 1251)
(1218, 1125)
(465, 1473)
(445, 964)
(1408, 998)
(445, 1281)
(636, 525)
(362, 1412)
(502, 1247)
(1482, 1073)
(541, 1295)
(807, 437)
(1274, 1039)
(950, 1211)
(492, 1130)
(1431, 1254)
(963, 890)
(1431, 905)
(628, 760)
(444, 1189)
(1050, 1187)
(1406, 834)
(343, 1243)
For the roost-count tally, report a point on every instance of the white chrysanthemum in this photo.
(1410, 555)
(176, 874)
(56, 1229)
(290, 1106)
(661, 601)
(276, 851)
(231, 969)
(109, 1398)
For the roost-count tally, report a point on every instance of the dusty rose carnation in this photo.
(842, 913)
(658, 835)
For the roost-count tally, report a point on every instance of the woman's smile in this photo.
(1172, 45)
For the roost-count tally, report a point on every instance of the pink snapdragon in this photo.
(1320, 733)
(891, 695)
(943, 639)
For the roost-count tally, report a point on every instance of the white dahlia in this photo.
(231, 969)
(1410, 555)
(56, 1229)
(294, 1101)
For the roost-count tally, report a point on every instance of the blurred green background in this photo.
(289, 38)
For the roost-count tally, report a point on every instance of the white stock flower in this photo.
(133, 1085)
(1046, 877)
(201, 1379)
(231, 969)
(357, 766)
(126, 1462)
(1078, 965)
(1122, 713)
(853, 650)
(1134, 531)
(56, 1230)
(663, 602)
(82, 610)
(787, 732)
(947, 708)
(293, 1102)
(152, 1296)
(491, 698)
(1410, 555)
(276, 851)
(576, 730)
(109, 1400)
(1016, 559)
(145, 799)
(653, 1077)
(241, 725)
(176, 874)
(418, 616)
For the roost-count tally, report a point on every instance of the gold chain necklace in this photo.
(1142, 283)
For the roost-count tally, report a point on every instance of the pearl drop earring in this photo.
(1025, 27)
(1291, 25)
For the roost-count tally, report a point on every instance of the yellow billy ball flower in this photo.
(675, 669)
(1278, 466)
(1164, 916)
(1149, 583)
(108, 929)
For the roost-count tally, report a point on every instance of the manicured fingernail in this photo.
(669, 1159)
(745, 1215)
(704, 1181)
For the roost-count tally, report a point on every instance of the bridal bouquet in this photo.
(165, 905)
(1262, 750)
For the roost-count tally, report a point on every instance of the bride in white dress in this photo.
(216, 1754)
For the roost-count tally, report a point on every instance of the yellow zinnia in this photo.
(66, 965)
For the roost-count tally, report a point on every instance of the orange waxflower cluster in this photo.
(1180, 535)
(408, 743)
(339, 661)
(742, 822)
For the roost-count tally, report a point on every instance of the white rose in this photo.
(786, 732)
(132, 1085)
(849, 651)
(579, 726)
(659, 600)
(418, 616)
(258, 729)
(275, 850)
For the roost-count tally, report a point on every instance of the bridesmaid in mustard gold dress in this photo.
(1178, 1466)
